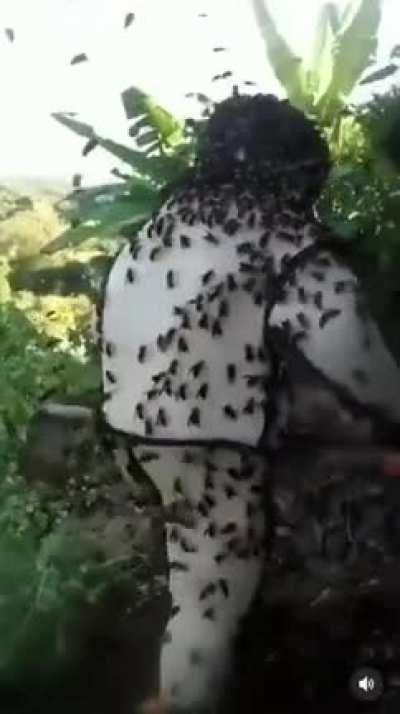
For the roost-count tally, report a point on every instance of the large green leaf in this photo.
(381, 73)
(355, 50)
(105, 218)
(287, 67)
(161, 169)
(138, 104)
(322, 62)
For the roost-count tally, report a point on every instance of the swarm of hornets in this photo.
(233, 334)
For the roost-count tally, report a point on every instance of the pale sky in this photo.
(167, 51)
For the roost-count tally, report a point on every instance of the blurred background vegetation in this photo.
(56, 249)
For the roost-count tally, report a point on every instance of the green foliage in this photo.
(167, 148)
(343, 48)
(103, 212)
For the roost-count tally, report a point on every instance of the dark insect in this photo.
(167, 237)
(302, 295)
(245, 247)
(173, 367)
(251, 221)
(303, 320)
(249, 353)
(211, 530)
(174, 534)
(185, 324)
(167, 387)
(231, 226)
(223, 584)
(328, 315)
(229, 528)
(170, 279)
(209, 614)
(202, 509)
(197, 368)
(180, 311)
(182, 391)
(210, 238)
(250, 406)
(159, 226)
(184, 241)
(182, 345)
(194, 418)
(231, 282)
(130, 275)
(340, 286)
(204, 321)
(223, 310)
(77, 59)
(209, 482)
(178, 565)
(230, 412)
(207, 591)
(110, 349)
(134, 251)
(253, 380)
(142, 353)
(129, 18)
(161, 343)
(178, 486)
(203, 391)
(110, 376)
(188, 547)
(207, 277)
(140, 410)
(155, 252)
(188, 457)
(161, 417)
(210, 501)
(170, 336)
(318, 300)
(231, 372)
(215, 293)
(258, 299)
(249, 284)
(263, 241)
(247, 268)
(216, 330)
(229, 491)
